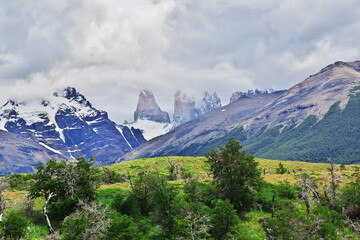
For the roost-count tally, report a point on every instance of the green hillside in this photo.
(336, 136)
(160, 198)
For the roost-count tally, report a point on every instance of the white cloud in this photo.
(110, 50)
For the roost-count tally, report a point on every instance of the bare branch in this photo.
(48, 223)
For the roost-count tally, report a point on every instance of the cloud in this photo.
(110, 50)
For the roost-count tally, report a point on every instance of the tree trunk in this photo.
(273, 207)
(2, 206)
(48, 223)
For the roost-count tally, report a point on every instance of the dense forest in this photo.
(226, 195)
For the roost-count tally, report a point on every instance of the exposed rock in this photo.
(235, 96)
(184, 108)
(259, 111)
(148, 109)
(209, 102)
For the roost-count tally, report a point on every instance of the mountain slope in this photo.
(20, 155)
(301, 123)
(67, 124)
(193, 135)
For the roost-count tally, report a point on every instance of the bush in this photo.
(281, 169)
(15, 224)
(286, 190)
(122, 227)
(224, 218)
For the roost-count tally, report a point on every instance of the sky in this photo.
(110, 50)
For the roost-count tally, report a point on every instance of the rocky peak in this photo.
(209, 102)
(184, 108)
(235, 96)
(148, 109)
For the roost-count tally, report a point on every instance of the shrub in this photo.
(15, 224)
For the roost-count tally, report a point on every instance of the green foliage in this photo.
(15, 224)
(109, 176)
(74, 228)
(19, 181)
(281, 169)
(123, 227)
(286, 190)
(351, 197)
(313, 140)
(224, 218)
(236, 174)
(70, 182)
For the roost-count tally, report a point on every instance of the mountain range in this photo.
(317, 119)
(154, 122)
(62, 125)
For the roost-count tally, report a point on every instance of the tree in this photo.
(88, 222)
(235, 174)
(224, 219)
(281, 169)
(63, 184)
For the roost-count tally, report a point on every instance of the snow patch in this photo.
(121, 132)
(151, 129)
(49, 148)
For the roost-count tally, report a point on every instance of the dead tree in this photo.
(3, 185)
(48, 223)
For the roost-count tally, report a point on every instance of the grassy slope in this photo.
(200, 169)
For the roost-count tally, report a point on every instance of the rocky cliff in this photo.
(316, 119)
(209, 102)
(148, 109)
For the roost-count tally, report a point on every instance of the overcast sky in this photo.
(109, 50)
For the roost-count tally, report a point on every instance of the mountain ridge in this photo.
(312, 97)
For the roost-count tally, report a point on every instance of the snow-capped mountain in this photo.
(154, 122)
(68, 125)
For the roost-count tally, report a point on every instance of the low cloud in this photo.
(110, 50)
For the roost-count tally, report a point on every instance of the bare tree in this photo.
(3, 185)
(197, 224)
(48, 223)
(95, 217)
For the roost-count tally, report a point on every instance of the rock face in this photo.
(269, 123)
(209, 102)
(148, 109)
(195, 136)
(184, 108)
(235, 96)
(67, 124)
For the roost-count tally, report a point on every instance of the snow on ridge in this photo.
(49, 148)
(151, 129)
(121, 132)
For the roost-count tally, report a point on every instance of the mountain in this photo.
(209, 102)
(192, 136)
(317, 119)
(148, 109)
(19, 154)
(149, 118)
(184, 108)
(68, 125)
(154, 122)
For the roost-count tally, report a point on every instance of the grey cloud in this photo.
(110, 50)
